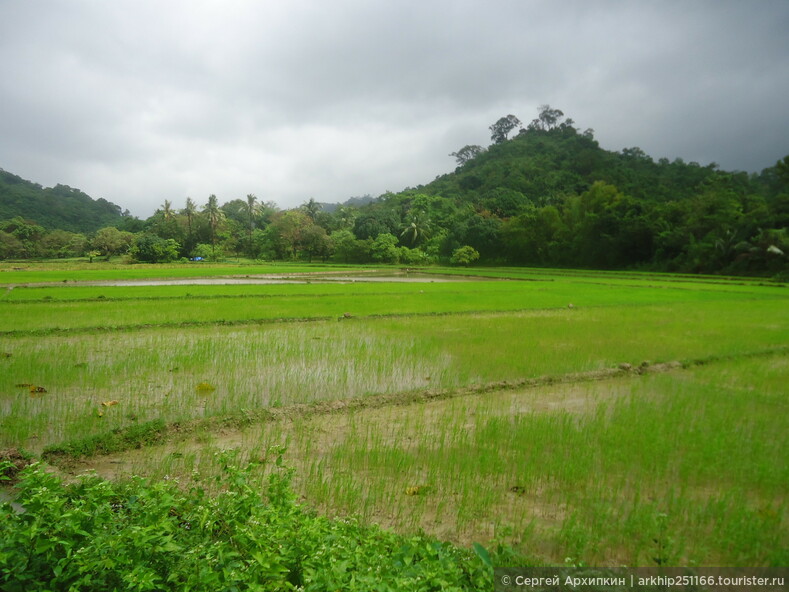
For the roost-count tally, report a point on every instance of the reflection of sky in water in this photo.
(6, 496)
(300, 279)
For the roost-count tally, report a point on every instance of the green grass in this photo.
(155, 372)
(528, 273)
(680, 468)
(121, 439)
(120, 308)
(691, 459)
(32, 272)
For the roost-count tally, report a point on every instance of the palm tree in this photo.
(167, 210)
(417, 230)
(311, 208)
(346, 216)
(189, 211)
(215, 216)
(252, 209)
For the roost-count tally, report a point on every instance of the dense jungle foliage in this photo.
(547, 196)
(55, 208)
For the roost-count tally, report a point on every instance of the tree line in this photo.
(547, 196)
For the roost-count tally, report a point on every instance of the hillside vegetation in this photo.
(55, 208)
(547, 196)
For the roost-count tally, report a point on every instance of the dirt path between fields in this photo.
(329, 422)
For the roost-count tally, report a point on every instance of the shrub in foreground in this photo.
(142, 535)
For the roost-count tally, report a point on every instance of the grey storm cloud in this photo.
(140, 101)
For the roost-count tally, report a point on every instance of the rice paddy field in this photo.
(576, 417)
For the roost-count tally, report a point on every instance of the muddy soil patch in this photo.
(17, 460)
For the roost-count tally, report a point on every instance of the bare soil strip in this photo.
(330, 422)
(551, 399)
(178, 431)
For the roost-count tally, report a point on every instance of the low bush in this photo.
(142, 535)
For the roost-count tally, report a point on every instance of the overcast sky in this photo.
(138, 101)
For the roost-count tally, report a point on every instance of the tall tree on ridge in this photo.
(501, 129)
(468, 152)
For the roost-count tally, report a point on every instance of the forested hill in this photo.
(541, 166)
(550, 195)
(544, 194)
(60, 207)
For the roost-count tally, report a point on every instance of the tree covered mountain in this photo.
(59, 207)
(544, 194)
(551, 195)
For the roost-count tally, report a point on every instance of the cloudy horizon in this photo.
(141, 102)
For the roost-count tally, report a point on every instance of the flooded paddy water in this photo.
(295, 278)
